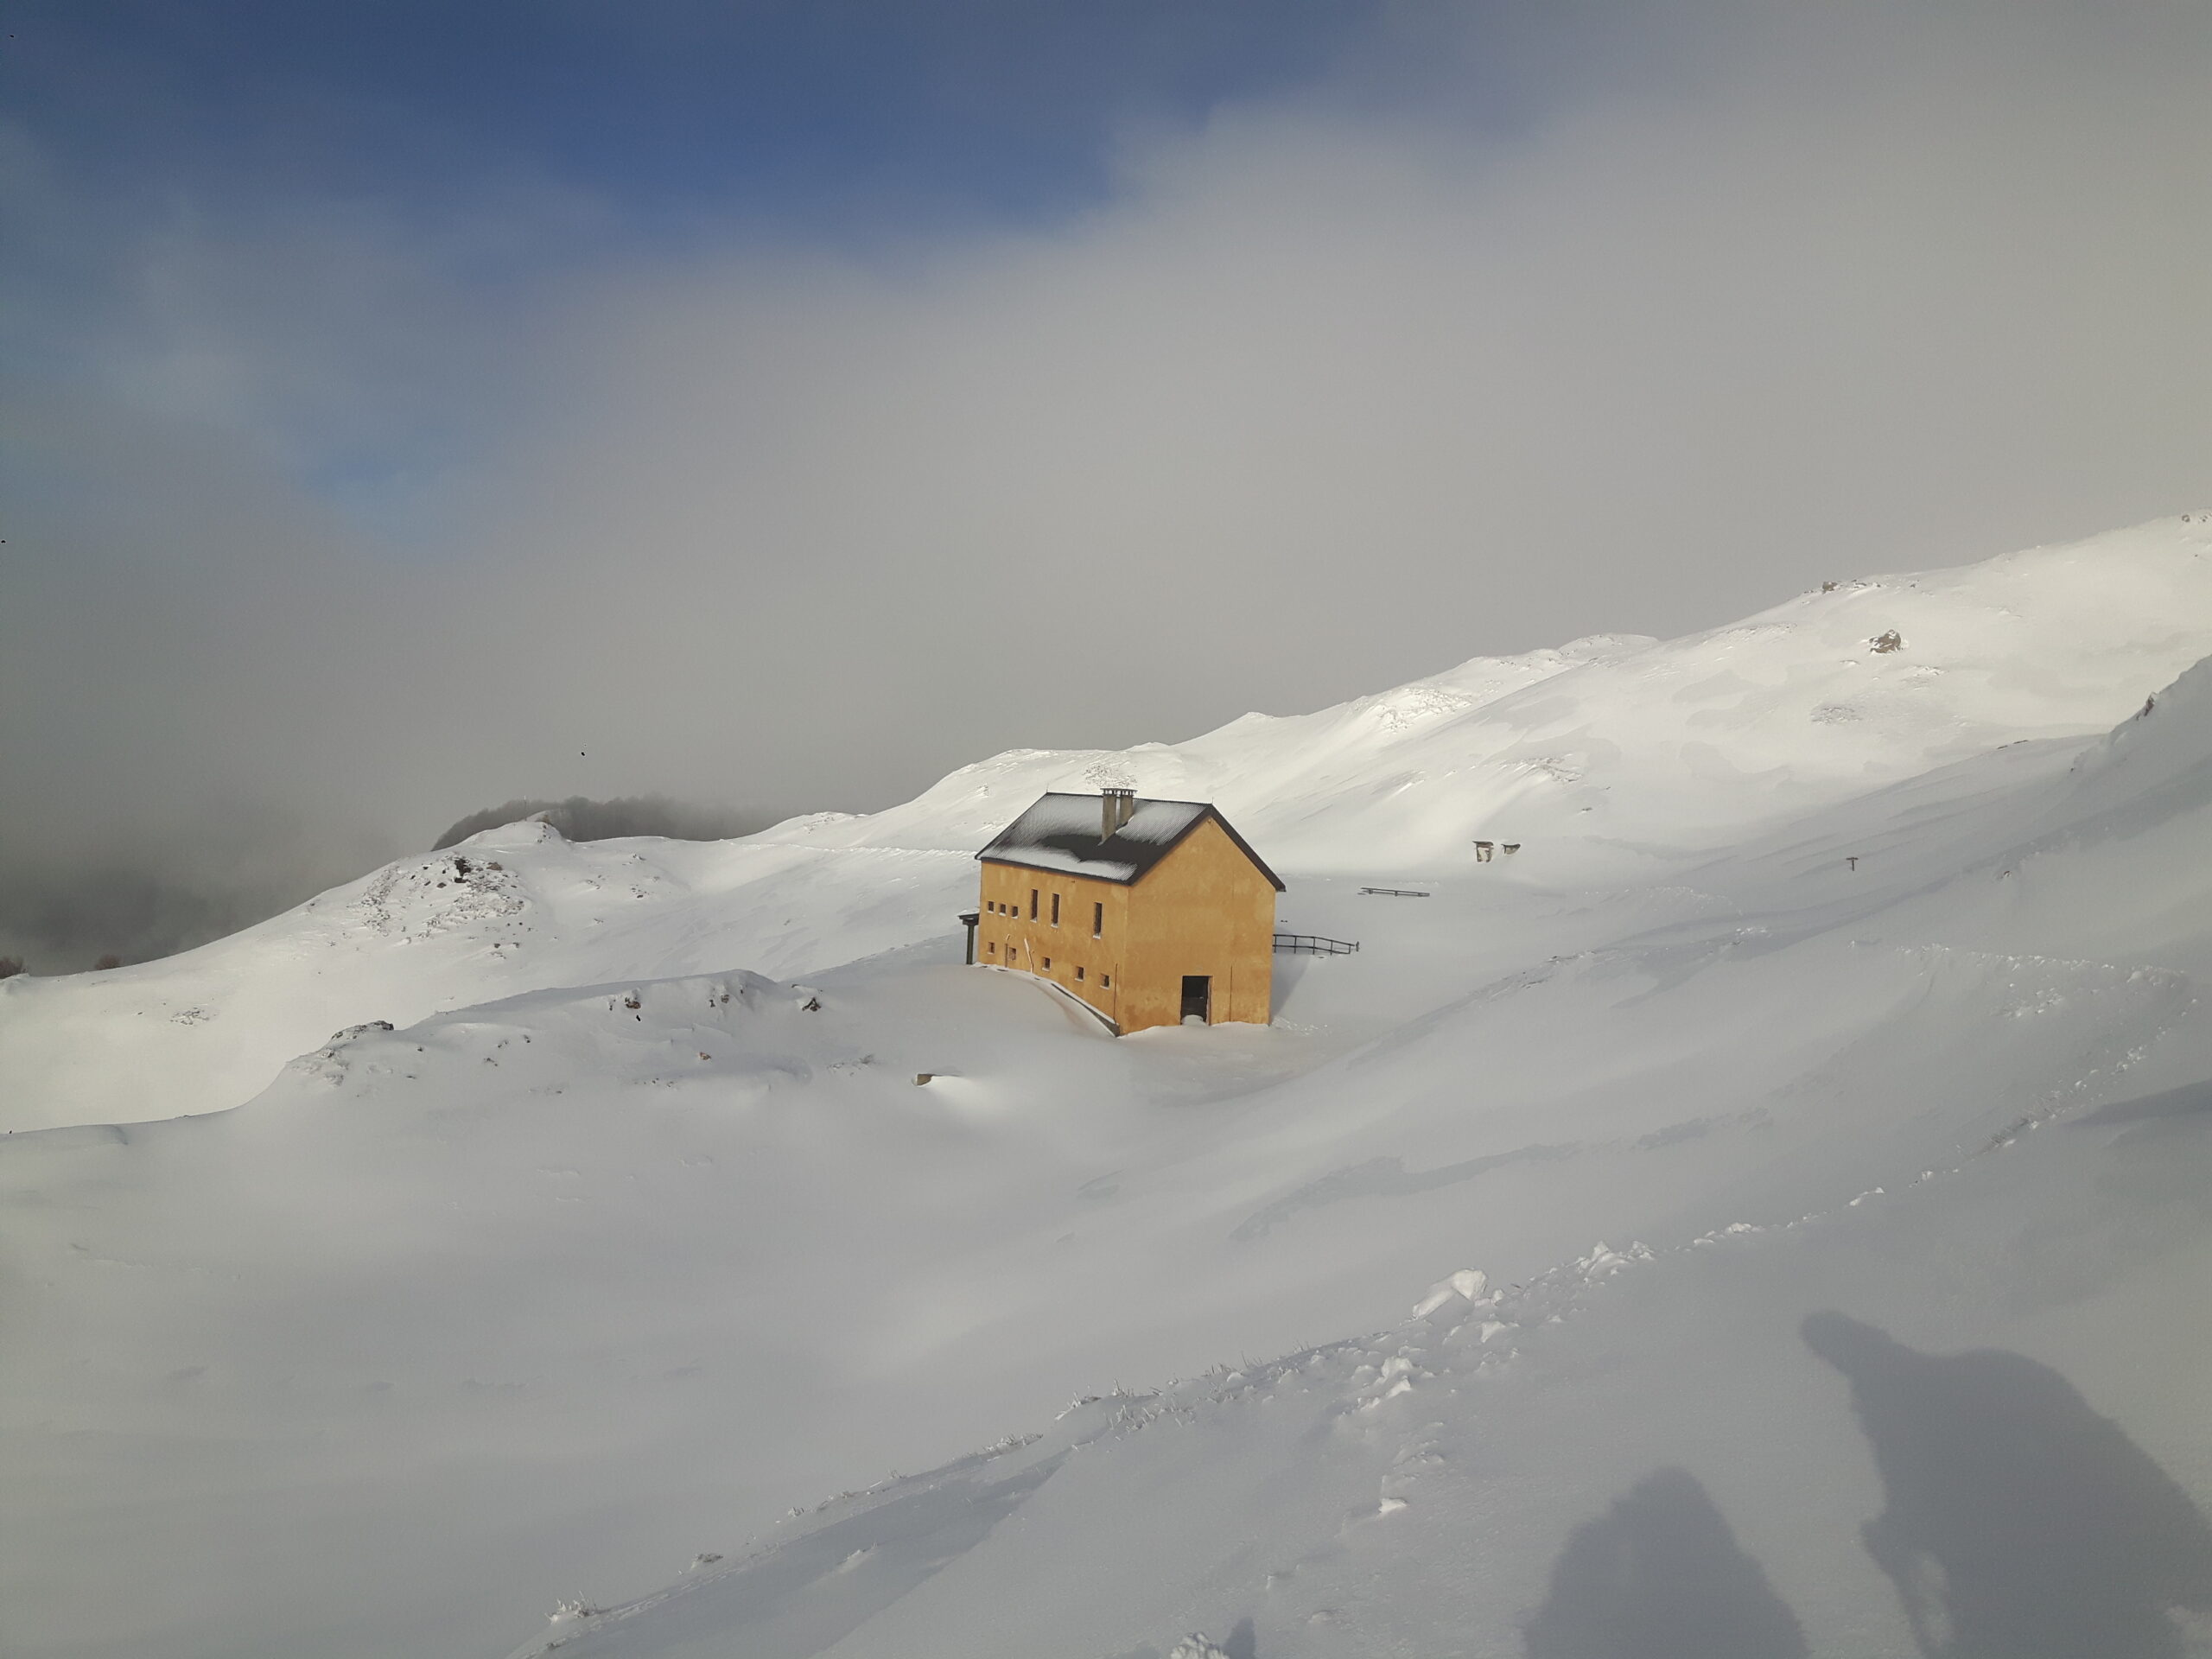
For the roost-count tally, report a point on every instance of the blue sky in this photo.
(826, 115)
(512, 143)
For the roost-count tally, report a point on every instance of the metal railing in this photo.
(1396, 893)
(1312, 944)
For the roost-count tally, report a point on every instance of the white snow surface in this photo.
(1861, 985)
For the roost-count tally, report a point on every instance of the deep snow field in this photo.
(1809, 1124)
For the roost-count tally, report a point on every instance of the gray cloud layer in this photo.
(581, 819)
(327, 541)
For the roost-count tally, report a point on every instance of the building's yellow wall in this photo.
(1013, 940)
(1203, 909)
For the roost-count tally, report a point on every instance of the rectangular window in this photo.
(1099, 921)
(1078, 973)
(992, 949)
(1105, 981)
(1033, 904)
(1048, 961)
(1056, 910)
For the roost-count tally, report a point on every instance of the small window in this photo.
(1099, 921)
(1078, 973)
(992, 949)
(1056, 910)
(1033, 904)
(1048, 961)
(1105, 981)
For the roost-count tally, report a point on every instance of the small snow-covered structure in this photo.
(1150, 913)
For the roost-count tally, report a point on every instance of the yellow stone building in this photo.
(1149, 912)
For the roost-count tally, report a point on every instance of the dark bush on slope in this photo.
(580, 819)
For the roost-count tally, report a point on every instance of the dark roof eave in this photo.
(1014, 860)
(990, 855)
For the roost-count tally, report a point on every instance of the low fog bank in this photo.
(580, 819)
(63, 909)
(162, 885)
(60, 921)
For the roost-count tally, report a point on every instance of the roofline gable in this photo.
(1213, 815)
(1207, 812)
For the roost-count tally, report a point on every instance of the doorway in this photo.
(1198, 997)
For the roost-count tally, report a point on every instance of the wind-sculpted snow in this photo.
(647, 1193)
(1639, 1454)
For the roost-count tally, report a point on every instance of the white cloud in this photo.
(1338, 390)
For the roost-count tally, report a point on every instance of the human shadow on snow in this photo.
(2017, 1522)
(1660, 1576)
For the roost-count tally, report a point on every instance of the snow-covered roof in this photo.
(1060, 832)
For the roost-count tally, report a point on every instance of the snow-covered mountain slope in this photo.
(536, 1299)
(1672, 1437)
(510, 910)
(1609, 760)
(1611, 757)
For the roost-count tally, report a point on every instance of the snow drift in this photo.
(615, 1225)
(1608, 760)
